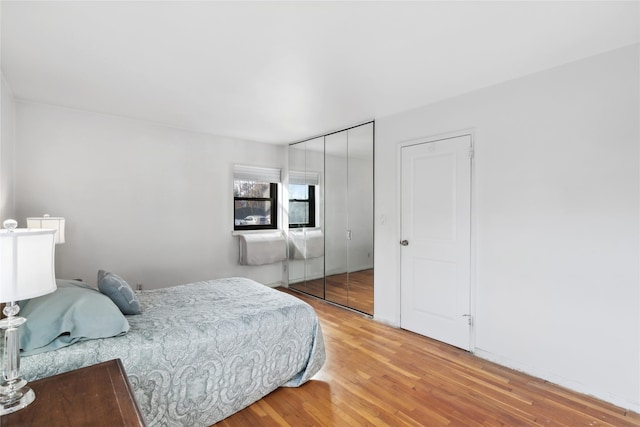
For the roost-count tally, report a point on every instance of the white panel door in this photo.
(436, 240)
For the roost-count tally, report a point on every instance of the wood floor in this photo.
(376, 375)
(354, 290)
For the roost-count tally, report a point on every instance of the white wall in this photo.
(556, 208)
(7, 143)
(150, 203)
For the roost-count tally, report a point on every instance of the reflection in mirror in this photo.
(360, 218)
(331, 243)
(335, 223)
(306, 236)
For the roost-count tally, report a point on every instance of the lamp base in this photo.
(14, 393)
(15, 399)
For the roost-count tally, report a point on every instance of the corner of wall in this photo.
(7, 150)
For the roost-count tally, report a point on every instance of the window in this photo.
(303, 186)
(255, 198)
(302, 205)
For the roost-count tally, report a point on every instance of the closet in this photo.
(330, 210)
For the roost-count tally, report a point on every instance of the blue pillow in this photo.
(74, 312)
(119, 291)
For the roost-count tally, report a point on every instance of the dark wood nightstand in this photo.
(98, 395)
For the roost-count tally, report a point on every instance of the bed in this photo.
(203, 351)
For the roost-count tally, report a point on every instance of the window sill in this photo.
(243, 232)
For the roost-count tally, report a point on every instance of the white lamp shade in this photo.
(27, 267)
(49, 222)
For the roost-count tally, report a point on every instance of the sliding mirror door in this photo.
(349, 218)
(306, 231)
(336, 218)
(360, 218)
(331, 256)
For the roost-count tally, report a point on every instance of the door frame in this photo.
(472, 258)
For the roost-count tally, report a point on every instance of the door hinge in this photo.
(471, 152)
(469, 318)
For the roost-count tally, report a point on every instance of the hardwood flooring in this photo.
(354, 290)
(376, 375)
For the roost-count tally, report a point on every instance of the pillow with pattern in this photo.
(116, 288)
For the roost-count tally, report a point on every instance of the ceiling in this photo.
(279, 72)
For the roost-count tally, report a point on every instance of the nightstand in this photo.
(98, 395)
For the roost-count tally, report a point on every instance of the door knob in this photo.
(404, 242)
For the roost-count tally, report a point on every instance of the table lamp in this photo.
(49, 222)
(26, 271)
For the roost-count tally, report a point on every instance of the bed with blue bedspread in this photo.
(203, 351)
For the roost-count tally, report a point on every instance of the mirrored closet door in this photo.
(306, 231)
(331, 249)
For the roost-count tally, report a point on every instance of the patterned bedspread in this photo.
(203, 351)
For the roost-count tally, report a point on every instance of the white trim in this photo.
(275, 285)
(237, 233)
(555, 378)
